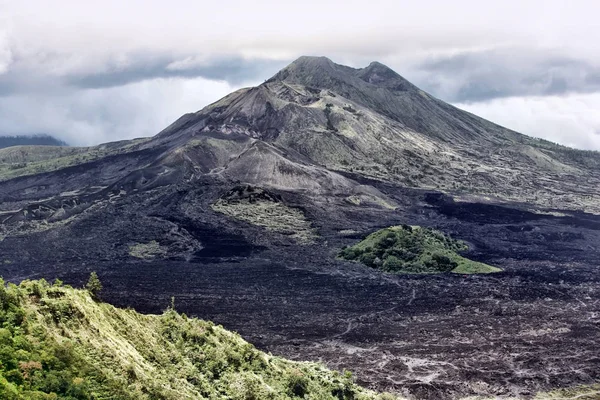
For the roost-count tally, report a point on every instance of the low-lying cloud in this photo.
(235, 70)
(571, 120)
(477, 76)
(91, 116)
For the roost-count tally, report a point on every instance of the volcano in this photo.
(241, 209)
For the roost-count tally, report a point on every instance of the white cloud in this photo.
(268, 29)
(570, 120)
(6, 57)
(93, 116)
(189, 63)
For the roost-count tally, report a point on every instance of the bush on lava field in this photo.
(412, 249)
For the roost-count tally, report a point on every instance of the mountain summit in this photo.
(323, 73)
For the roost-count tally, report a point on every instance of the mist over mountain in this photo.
(474, 247)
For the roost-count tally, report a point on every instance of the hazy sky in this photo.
(95, 71)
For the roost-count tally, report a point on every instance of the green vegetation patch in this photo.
(589, 392)
(61, 343)
(414, 250)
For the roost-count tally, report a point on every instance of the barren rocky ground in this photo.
(533, 327)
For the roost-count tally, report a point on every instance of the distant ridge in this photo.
(30, 140)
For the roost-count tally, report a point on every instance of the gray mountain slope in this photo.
(318, 127)
(373, 122)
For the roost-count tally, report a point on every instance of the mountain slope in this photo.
(315, 119)
(31, 140)
(373, 122)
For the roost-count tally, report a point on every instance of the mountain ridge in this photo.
(373, 123)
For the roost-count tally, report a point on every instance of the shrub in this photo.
(93, 285)
(393, 264)
(412, 250)
(297, 384)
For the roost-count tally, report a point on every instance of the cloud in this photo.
(5, 53)
(477, 76)
(92, 116)
(235, 70)
(97, 71)
(570, 120)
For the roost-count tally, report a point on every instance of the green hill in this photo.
(60, 343)
(412, 249)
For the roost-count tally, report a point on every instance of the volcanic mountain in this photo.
(374, 123)
(241, 209)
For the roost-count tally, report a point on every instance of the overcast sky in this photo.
(95, 71)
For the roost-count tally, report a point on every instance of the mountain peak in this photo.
(382, 75)
(305, 68)
(377, 67)
(323, 73)
(313, 61)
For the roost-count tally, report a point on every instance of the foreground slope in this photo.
(60, 341)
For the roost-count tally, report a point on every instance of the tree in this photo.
(93, 285)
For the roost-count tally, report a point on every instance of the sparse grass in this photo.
(148, 250)
(361, 199)
(271, 215)
(466, 266)
(412, 249)
(588, 392)
(58, 342)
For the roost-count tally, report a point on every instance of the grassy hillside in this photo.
(412, 249)
(58, 342)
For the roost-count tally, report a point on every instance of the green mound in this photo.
(60, 343)
(416, 250)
